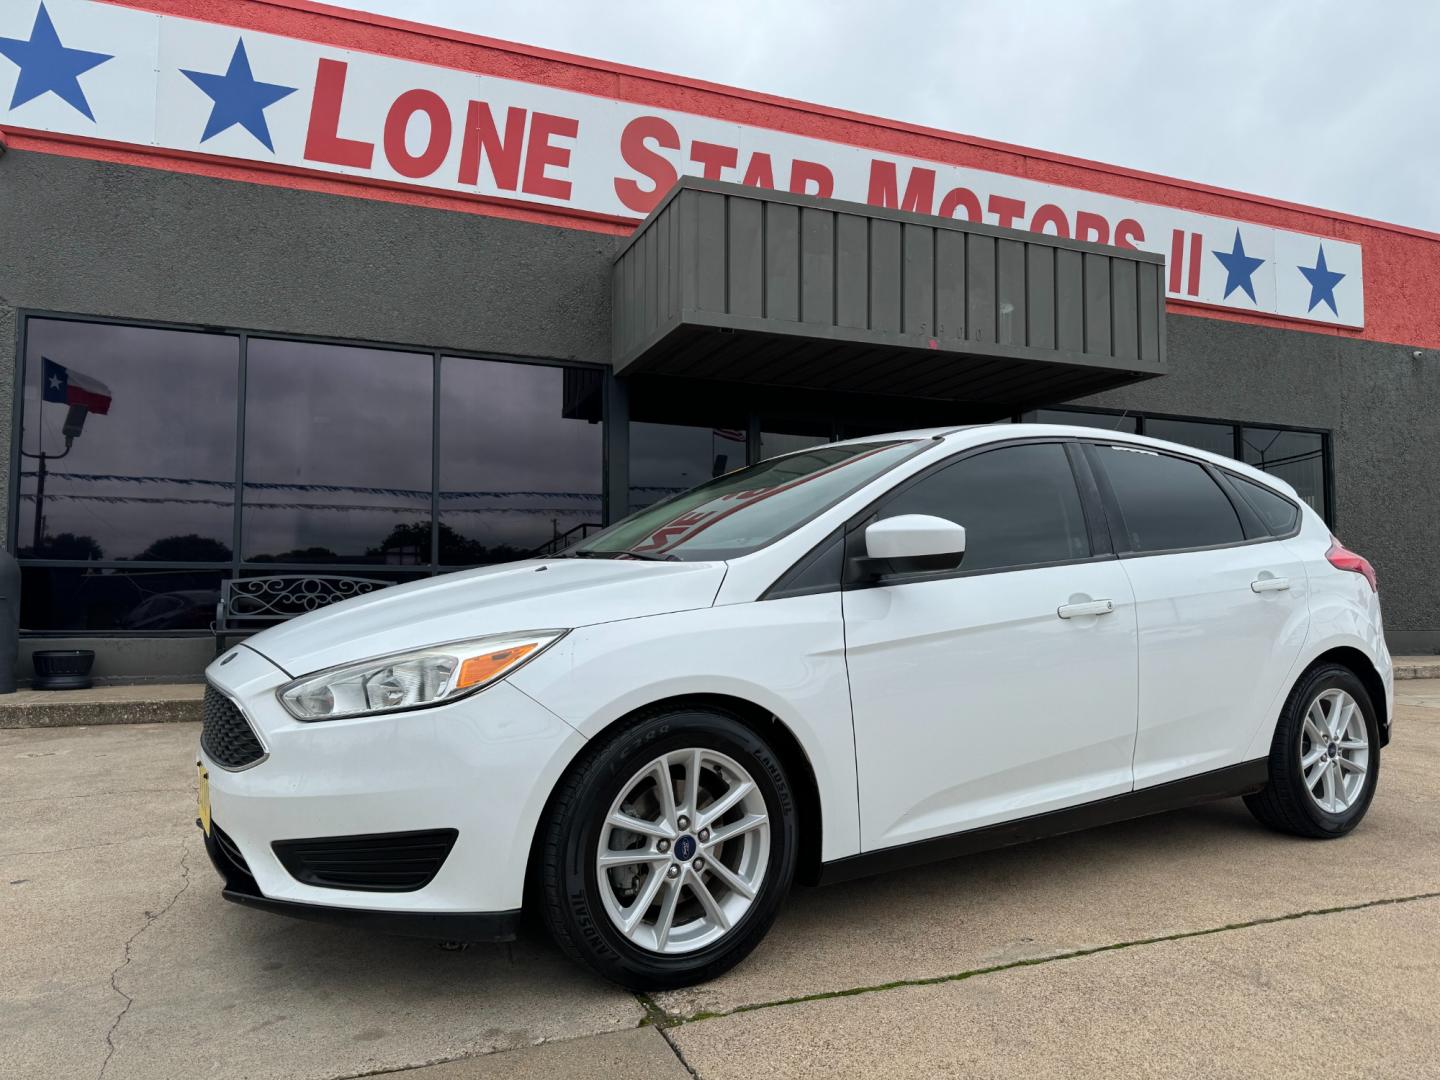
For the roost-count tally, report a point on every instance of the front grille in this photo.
(383, 862)
(227, 738)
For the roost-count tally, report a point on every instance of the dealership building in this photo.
(288, 290)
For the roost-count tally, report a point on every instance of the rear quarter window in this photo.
(1279, 514)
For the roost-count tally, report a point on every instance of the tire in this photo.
(1288, 803)
(584, 906)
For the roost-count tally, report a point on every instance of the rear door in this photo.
(1006, 688)
(1220, 603)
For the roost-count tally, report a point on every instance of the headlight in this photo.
(411, 680)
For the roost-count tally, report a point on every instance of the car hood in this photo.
(532, 595)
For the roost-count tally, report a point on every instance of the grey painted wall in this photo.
(99, 239)
(94, 238)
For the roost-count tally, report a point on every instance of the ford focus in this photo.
(850, 659)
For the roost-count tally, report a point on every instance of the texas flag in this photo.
(71, 388)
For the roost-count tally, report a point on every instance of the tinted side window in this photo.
(1278, 513)
(1168, 502)
(1018, 504)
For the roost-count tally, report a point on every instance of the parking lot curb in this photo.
(103, 705)
(1417, 667)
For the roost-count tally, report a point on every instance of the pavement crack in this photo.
(664, 1020)
(389, 1070)
(150, 918)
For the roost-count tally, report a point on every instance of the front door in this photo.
(1007, 688)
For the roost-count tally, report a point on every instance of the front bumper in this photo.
(482, 766)
(240, 888)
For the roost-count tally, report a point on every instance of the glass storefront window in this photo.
(518, 475)
(1297, 457)
(138, 428)
(337, 454)
(1216, 438)
(666, 459)
(134, 431)
(125, 599)
(1108, 421)
(784, 434)
(141, 512)
(773, 444)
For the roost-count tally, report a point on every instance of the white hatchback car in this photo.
(852, 658)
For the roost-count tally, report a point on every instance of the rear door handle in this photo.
(1091, 607)
(1270, 584)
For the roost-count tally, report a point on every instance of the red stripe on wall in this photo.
(1197, 252)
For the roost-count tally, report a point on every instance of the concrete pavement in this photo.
(118, 958)
(1277, 1000)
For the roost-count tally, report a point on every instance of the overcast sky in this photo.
(1317, 101)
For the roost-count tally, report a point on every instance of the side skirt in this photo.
(1242, 779)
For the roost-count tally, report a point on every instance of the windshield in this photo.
(743, 511)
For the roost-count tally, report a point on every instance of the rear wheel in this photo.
(1325, 757)
(668, 849)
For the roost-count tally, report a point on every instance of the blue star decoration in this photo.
(239, 98)
(1322, 282)
(48, 67)
(1238, 268)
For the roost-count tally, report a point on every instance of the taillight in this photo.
(1342, 558)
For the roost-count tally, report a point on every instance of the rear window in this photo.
(1168, 502)
(1277, 512)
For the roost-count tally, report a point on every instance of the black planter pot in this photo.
(63, 669)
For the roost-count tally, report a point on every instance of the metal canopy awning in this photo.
(736, 284)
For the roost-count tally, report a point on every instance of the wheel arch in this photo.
(1347, 656)
(758, 719)
(1350, 653)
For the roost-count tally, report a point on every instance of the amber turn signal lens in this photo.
(481, 669)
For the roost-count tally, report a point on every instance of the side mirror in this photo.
(913, 543)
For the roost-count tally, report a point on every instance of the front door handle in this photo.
(1090, 607)
(1270, 584)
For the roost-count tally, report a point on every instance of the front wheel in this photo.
(668, 849)
(1325, 757)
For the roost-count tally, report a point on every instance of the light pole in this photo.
(74, 424)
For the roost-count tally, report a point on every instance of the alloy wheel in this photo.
(1334, 751)
(683, 851)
